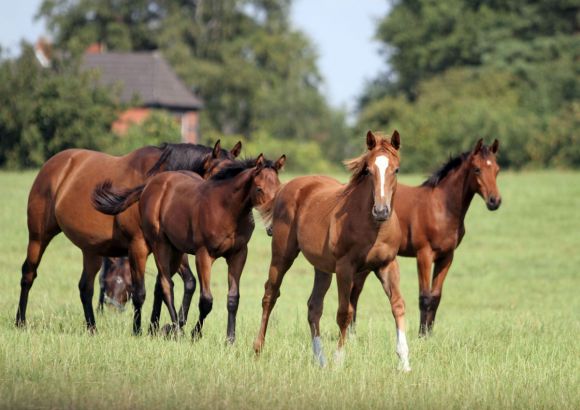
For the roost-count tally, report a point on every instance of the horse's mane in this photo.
(190, 157)
(357, 166)
(451, 164)
(236, 167)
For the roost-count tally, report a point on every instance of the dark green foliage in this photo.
(44, 111)
(254, 72)
(462, 69)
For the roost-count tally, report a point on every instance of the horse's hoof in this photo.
(404, 367)
(258, 347)
(339, 356)
(171, 331)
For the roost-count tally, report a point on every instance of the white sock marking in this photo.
(382, 163)
(403, 351)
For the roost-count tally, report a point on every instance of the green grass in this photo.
(507, 333)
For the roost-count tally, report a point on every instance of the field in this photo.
(507, 332)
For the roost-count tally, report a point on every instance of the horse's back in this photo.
(64, 186)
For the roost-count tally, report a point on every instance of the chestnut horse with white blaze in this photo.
(432, 221)
(342, 229)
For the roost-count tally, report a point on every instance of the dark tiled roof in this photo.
(145, 75)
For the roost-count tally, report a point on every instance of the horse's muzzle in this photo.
(493, 202)
(381, 214)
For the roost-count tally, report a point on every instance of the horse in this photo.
(60, 201)
(432, 217)
(181, 213)
(346, 229)
(115, 283)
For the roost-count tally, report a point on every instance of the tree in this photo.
(461, 69)
(254, 72)
(43, 111)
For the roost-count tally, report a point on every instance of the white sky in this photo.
(341, 30)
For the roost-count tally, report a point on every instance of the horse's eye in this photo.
(366, 171)
(477, 171)
(259, 190)
(397, 171)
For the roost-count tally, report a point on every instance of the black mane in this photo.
(237, 167)
(189, 157)
(441, 173)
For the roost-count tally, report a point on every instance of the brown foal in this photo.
(346, 229)
(431, 218)
(181, 213)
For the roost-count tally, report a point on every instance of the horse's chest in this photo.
(447, 240)
(379, 254)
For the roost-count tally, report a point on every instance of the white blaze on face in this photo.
(488, 162)
(382, 163)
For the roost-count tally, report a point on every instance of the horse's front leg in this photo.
(203, 263)
(138, 253)
(389, 276)
(440, 270)
(236, 262)
(358, 284)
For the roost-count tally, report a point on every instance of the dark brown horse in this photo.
(60, 201)
(345, 229)
(182, 214)
(431, 218)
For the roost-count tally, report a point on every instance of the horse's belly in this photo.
(324, 263)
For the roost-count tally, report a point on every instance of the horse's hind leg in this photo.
(390, 278)
(203, 263)
(91, 265)
(439, 273)
(322, 281)
(38, 240)
(188, 289)
(344, 281)
(168, 260)
(284, 251)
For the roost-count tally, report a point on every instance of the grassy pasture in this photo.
(507, 333)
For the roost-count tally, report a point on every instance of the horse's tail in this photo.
(112, 202)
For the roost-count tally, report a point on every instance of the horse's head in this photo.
(379, 167)
(265, 182)
(218, 158)
(117, 282)
(483, 173)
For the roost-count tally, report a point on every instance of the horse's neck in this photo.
(359, 202)
(457, 192)
(235, 195)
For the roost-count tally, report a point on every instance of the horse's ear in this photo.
(235, 151)
(396, 140)
(478, 146)
(371, 140)
(495, 146)
(217, 148)
(280, 163)
(259, 163)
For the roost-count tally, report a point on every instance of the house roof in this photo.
(146, 75)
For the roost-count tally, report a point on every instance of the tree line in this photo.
(458, 70)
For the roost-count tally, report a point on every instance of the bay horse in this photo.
(432, 221)
(346, 229)
(60, 201)
(181, 213)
